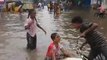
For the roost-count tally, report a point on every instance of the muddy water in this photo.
(88, 16)
(13, 36)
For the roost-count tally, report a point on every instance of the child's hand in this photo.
(81, 47)
(26, 27)
(82, 34)
(45, 32)
(66, 55)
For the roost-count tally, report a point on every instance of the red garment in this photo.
(53, 48)
(101, 9)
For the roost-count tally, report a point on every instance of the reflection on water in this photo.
(13, 35)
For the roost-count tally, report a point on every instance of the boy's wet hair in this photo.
(53, 35)
(77, 19)
(30, 12)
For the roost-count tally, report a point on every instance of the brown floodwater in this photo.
(13, 36)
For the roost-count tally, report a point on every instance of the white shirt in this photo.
(32, 24)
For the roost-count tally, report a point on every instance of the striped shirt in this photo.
(93, 38)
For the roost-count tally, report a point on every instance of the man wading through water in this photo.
(31, 25)
(93, 38)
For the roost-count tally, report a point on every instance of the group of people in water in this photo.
(88, 31)
(54, 7)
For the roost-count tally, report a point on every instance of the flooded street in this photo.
(88, 16)
(13, 36)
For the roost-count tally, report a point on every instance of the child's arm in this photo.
(53, 55)
(83, 44)
(93, 27)
(40, 26)
(26, 25)
(66, 54)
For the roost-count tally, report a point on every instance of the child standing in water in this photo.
(31, 25)
(96, 41)
(54, 49)
(57, 10)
